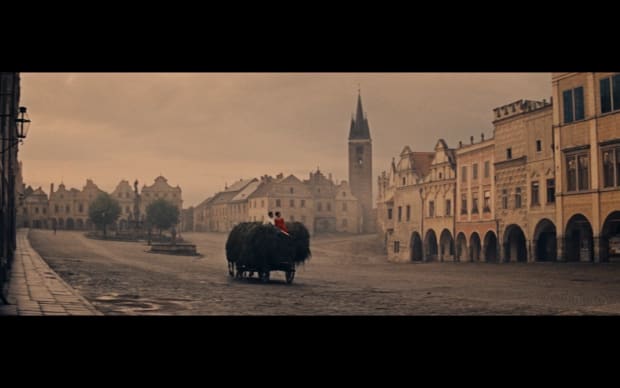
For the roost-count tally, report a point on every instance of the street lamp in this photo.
(24, 123)
(23, 126)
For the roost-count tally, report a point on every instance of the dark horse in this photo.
(254, 247)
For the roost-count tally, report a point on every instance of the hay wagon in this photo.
(256, 248)
(240, 271)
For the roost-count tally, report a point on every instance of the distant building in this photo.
(319, 203)
(323, 193)
(33, 210)
(347, 210)
(220, 213)
(200, 216)
(187, 220)
(126, 197)
(288, 195)
(68, 208)
(160, 189)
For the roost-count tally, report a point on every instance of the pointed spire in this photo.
(359, 125)
(360, 111)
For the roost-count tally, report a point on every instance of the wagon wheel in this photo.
(231, 269)
(264, 276)
(290, 275)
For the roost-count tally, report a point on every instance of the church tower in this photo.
(360, 166)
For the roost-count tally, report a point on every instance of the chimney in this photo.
(471, 138)
(482, 137)
(51, 188)
(460, 144)
(330, 176)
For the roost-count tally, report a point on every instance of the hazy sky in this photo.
(203, 130)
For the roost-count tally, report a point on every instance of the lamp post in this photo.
(23, 126)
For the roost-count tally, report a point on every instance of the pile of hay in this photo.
(257, 245)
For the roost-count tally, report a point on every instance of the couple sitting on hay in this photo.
(278, 222)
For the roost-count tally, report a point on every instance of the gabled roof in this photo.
(205, 202)
(247, 190)
(240, 184)
(38, 191)
(222, 197)
(160, 183)
(122, 186)
(344, 186)
(262, 190)
(422, 162)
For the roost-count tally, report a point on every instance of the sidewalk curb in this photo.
(60, 279)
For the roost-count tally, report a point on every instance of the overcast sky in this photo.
(204, 130)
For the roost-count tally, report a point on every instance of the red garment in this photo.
(280, 224)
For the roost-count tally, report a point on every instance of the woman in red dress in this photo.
(279, 221)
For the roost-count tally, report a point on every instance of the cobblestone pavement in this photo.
(346, 276)
(35, 289)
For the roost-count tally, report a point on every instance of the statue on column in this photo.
(136, 206)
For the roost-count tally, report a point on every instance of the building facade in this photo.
(348, 213)
(318, 202)
(586, 130)
(288, 195)
(323, 192)
(9, 169)
(476, 226)
(68, 208)
(126, 197)
(520, 169)
(160, 189)
(33, 209)
(400, 206)
(438, 187)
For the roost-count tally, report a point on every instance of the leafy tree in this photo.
(103, 211)
(162, 214)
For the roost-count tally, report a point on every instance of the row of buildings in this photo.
(68, 208)
(319, 202)
(546, 186)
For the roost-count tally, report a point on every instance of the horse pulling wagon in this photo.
(256, 248)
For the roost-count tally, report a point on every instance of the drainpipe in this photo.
(498, 245)
(422, 224)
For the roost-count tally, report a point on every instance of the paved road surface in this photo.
(346, 276)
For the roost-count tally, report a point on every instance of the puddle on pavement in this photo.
(128, 304)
